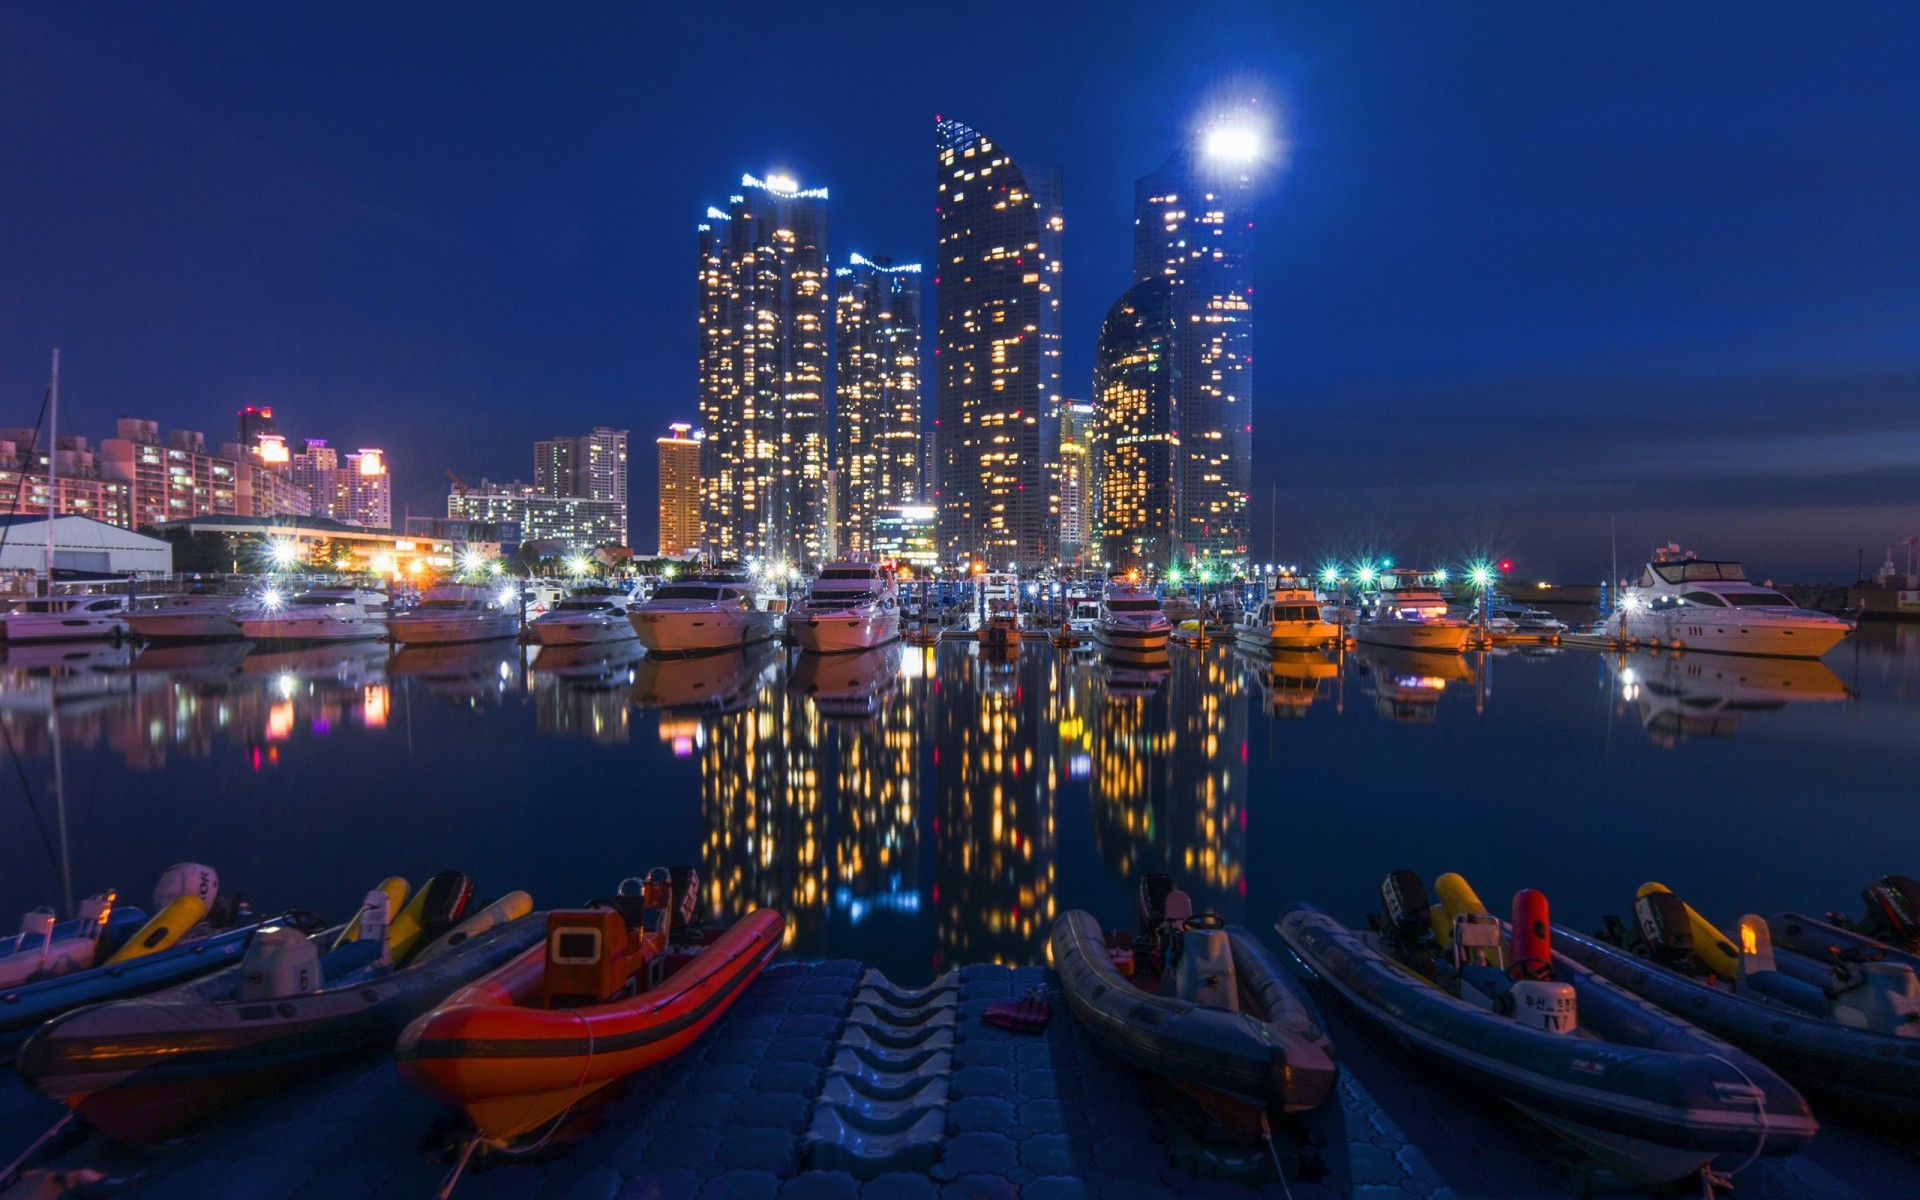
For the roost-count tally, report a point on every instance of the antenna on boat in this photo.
(53, 464)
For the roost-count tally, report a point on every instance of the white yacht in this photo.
(1084, 619)
(1131, 625)
(1409, 612)
(321, 615)
(450, 614)
(849, 608)
(186, 617)
(702, 615)
(64, 619)
(588, 615)
(1685, 603)
(1509, 623)
(1290, 619)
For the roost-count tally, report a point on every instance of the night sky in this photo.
(1522, 267)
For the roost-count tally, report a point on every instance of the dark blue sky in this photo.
(1526, 267)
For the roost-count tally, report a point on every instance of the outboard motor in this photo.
(1205, 974)
(687, 910)
(593, 955)
(1407, 914)
(1870, 993)
(1665, 928)
(187, 879)
(1893, 911)
(1154, 889)
(280, 962)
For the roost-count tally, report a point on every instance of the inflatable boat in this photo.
(612, 988)
(144, 1070)
(1845, 1027)
(1199, 1003)
(1501, 1011)
(113, 951)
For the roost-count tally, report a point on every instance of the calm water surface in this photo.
(920, 809)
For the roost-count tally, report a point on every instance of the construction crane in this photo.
(459, 485)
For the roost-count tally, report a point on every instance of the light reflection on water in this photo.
(918, 809)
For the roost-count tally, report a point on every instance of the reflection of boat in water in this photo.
(849, 687)
(204, 661)
(588, 665)
(187, 616)
(466, 671)
(1406, 685)
(77, 676)
(1289, 680)
(66, 657)
(1129, 683)
(1679, 696)
(713, 682)
(344, 662)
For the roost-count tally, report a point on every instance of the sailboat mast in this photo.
(53, 464)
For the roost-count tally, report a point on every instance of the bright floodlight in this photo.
(1235, 142)
(284, 552)
(472, 560)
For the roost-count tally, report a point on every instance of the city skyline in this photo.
(1481, 234)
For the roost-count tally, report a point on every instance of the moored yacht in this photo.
(64, 619)
(1409, 612)
(849, 608)
(450, 614)
(186, 617)
(1289, 619)
(1687, 603)
(1131, 624)
(701, 615)
(321, 615)
(587, 616)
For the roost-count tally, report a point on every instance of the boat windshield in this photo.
(1292, 612)
(318, 601)
(449, 605)
(839, 599)
(861, 574)
(1699, 572)
(1133, 606)
(581, 604)
(687, 591)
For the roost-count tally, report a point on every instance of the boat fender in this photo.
(396, 890)
(1545, 1005)
(508, 908)
(1409, 915)
(187, 879)
(1455, 896)
(1532, 943)
(168, 926)
(280, 962)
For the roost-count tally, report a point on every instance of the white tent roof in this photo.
(81, 544)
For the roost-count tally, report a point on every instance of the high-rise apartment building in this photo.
(171, 479)
(997, 390)
(252, 422)
(592, 467)
(85, 489)
(1193, 228)
(1136, 437)
(878, 455)
(680, 493)
(574, 523)
(764, 347)
(1079, 490)
(357, 489)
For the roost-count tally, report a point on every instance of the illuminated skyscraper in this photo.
(877, 444)
(997, 380)
(1078, 493)
(1193, 228)
(1136, 442)
(679, 490)
(763, 371)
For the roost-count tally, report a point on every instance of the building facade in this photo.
(680, 492)
(764, 349)
(1136, 437)
(356, 488)
(878, 440)
(1193, 228)
(171, 479)
(84, 490)
(1079, 491)
(997, 392)
(592, 467)
(573, 522)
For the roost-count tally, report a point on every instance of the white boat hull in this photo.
(60, 627)
(1733, 633)
(1126, 642)
(702, 631)
(557, 629)
(1442, 636)
(283, 628)
(844, 632)
(183, 626)
(452, 631)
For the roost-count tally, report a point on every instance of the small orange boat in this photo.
(614, 987)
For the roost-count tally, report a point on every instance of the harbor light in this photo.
(1481, 576)
(1330, 575)
(272, 598)
(472, 560)
(284, 552)
(494, 567)
(577, 565)
(1365, 575)
(1440, 574)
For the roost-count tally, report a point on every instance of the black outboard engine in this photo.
(1406, 915)
(688, 912)
(1154, 889)
(1666, 934)
(1893, 911)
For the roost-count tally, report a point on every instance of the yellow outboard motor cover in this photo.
(280, 962)
(187, 879)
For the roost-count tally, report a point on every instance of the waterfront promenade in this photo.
(1048, 1117)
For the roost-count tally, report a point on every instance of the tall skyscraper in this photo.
(878, 440)
(592, 467)
(1193, 228)
(679, 490)
(997, 383)
(1079, 493)
(764, 345)
(1136, 441)
(357, 489)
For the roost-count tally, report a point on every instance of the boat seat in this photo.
(1178, 906)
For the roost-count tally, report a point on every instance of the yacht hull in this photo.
(183, 627)
(845, 632)
(696, 632)
(1416, 635)
(1133, 644)
(551, 632)
(1771, 639)
(313, 629)
(440, 631)
(36, 627)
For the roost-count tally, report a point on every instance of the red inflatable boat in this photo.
(614, 987)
